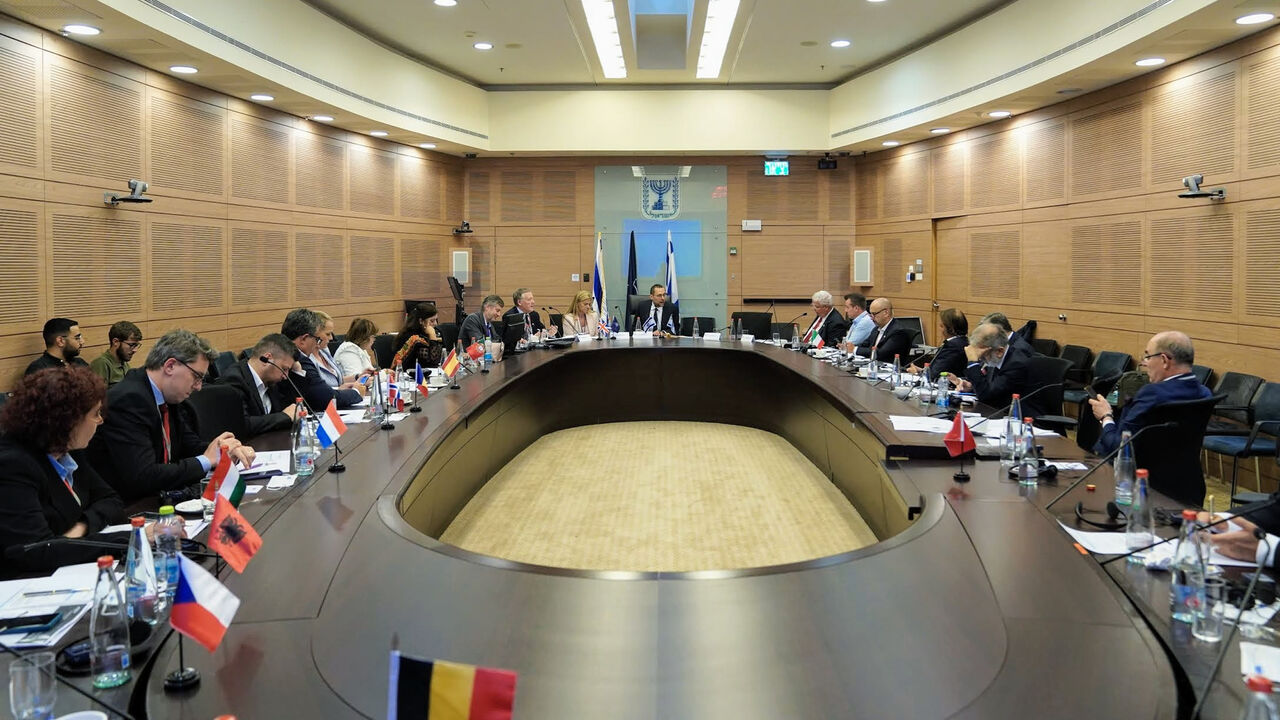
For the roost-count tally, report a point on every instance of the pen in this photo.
(43, 593)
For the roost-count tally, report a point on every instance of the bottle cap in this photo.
(1016, 396)
(1258, 683)
(1189, 514)
(1141, 473)
(1090, 487)
(137, 522)
(1028, 420)
(106, 561)
(166, 509)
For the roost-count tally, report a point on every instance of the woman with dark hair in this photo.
(950, 357)
(47, 488)
(418, 340)
(354, 354)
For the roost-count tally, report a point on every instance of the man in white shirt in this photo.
(267, 405)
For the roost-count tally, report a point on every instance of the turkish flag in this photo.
(959, 440)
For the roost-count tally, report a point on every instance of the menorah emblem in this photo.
(659, 188)
(660, 199)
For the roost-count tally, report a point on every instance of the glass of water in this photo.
(777, 339)
(32, 688)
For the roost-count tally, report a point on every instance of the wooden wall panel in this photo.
(1193, 126)
(373, 267)
(838, 243)
(906, 186)
(455, 193)
(260, 267)
(999, 274)
(80, 142)
(21, 299)
(540, 258)
(953, 259)
(1262, 273)
(316, 254)
(478, 196)
(19, 104)
(320, 174)
(947, 165)
(867, 192)
(1046, 263)
(373, 180)
(783, 262)
(187, 262)
(893, 266)
(1262, 131)
(422, 263)
(995, 170)
(1106, 150)
(185, 144)
(95, 258)
(413, 189)
(1045, 164)
(1105, 261)
(1192, 266)
(259, 160)
(516, 199)
(559, 201)
(839, 193)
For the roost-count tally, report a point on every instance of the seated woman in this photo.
(950, 357)
(419, 341)
(47, 488)
(580, 320)
(330, 372)
(354, 355)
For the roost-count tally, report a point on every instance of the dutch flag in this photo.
(331, 425)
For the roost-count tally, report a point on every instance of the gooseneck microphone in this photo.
(337, 465)
(1076, 483)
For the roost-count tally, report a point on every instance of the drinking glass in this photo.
(777, 339)
(1206, 625)
(32, 689)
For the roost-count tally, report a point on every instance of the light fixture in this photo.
(446, 3)
(91, 30)
(875, 1)
(1150, 62)
(999, 114)
(1255, 18)
(262, 97)
(483, 46)
(378, 133)
(322, 118)
(183, 69)
(604, 33)
(840, 43)
(721, 15)
(427, 146)
(891, 143)
(940, 131)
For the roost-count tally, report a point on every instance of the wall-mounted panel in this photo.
(782, 262)
(421, 266)
(260, 270)
(1045, 164)
(998, 275)
(94, 256)
(995, 172)
(20, 300)
(477, 196)
(839, 192)
(1106, 263)
(373, 180)
(906, 186)
(867, 192)
(185, 144)
(559, 196)
(320, 177)
(413, 189)
(373, 267)
(187, 262)
(893, 266)
(517, 195)
(1193, 126)
(1262, 265)
(1191, 264)
(19, 104)
(80, 142)
(1262, 131)
(319, 261)
(1106, 150)
(947, 164)
(259, 160)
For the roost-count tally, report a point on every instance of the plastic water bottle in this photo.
(1188, 570)
(925, 393)
(108, 630)
(896, 378)
(1010, 454)
(488, 355)
(1139, 530)
(697, 332)
(1260, 706)
(1123, 469)
(944, 392)
(168, 543)
(304, 445)
(141, 594)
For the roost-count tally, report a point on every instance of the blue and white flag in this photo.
(673, 295)
(598, 304)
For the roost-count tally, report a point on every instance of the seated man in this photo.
(828, 327)
(113, 363)
(860, 323)
(483, 325)
(998, 369)
(148, 442)
(1167, 359)
(656, 316)
(268, 404)
(304, 330)
(1015, 338)
(523, 313)
(950, 357)
(62, 343)
(888, 338)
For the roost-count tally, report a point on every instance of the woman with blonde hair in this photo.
(354, 354)
(580, 320)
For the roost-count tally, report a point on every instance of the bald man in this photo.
(887, 338)
(1167, 359)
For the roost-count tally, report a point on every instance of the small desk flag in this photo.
(418, 379)
(331, 425)
(450, 365)
(959, 439)
(202, 607)
(423, 689)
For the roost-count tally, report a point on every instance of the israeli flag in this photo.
(673, 295)
(598, 304)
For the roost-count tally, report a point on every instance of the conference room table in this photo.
(975, 605)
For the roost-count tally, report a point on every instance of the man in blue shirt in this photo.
(860, 323)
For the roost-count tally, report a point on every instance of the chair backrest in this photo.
(1046, 346)
(224, 361)
(705, 325)
(1079, 355)
(383, 353)
(1171, 456)
(633, 309)
(335, 342)
(244, 354)
(1111, 363)
(916, 327)
(218, 410)
(557, 321)
(1043, 371)
(1129, 384)
(1204, 374)
(783, 330)
(448, 334)
(759, 324)
(1239, 389)
(1266, 404)
(1088, 429)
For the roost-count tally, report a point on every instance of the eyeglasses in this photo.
(877, 312)
(200, 377)
(1159, 354)
(133, 345)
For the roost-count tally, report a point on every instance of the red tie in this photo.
(164, 428)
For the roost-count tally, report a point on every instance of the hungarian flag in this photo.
(959, 439)
(202, 607)
(820, 343)
(450, 364)
(418, 379)
(394, 399)
(422, 689)
(475, 351)
(230, 535)
(331, 425)
(226, 473)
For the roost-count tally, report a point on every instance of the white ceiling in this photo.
(546, 42)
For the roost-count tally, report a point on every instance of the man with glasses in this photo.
(304, 328)
(887, 338)
(62, 343)
(113, 363)
(148, 443)
(268, 405)
(1167, 359)
(998, 368)
(827, 327)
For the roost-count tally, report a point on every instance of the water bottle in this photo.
(1188, 570)
(377, 399)
(140, 576)
(1123, 470)
(697, 332)
(488, 354)
(304, 441)
(925, 393)
(1139, 529)
(1009, 450)
(896, 378)
(108, 630)
(944, 392)
(1028, 458)
(1260, 706)
(168, 543)
(795, 336)
(873, 367)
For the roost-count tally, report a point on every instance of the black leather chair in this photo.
(383, 353)
(218, 410)
(783, 330)
(759, 324)
(1046, 372)
(557, 321)
(705, 325)
(1171, 456)
(1045, 346)
(1081, 357)
(335, 342)
(1235, 415)
(1088, 429)
(448, 334)
(1204, 374)
(224, 361)
(634, 302)
(1108, 363)
(1261, 437)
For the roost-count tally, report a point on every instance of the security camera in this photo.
(1192, 184)
(462, 229)
(469, 156)
(136, 190)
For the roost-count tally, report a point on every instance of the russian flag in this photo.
(422, 689)
(331, 425)
(202, 607)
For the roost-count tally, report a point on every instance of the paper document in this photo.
(1102, 543)
(281, 481)
(1069, 465)
(1158, 557)
(1261, 660)
(269, 460)
(916, 423)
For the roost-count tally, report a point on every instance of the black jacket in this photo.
(950, 358)
(314, 389)
(46, 361)
(833, 330)
(670, 317)
(513, 317)
(996, 386)
(897, 341)
(256, 418)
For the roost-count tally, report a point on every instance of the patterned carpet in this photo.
(670, 496)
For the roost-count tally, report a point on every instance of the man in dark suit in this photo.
(62, 343)
(1018, 337)
(148, 443)
(303, 328)
(828, 328)
(997, 369)
(888, 338)
(1167, 359)
(656, 315)
(267, 405)
(483, 325)
(522, 313)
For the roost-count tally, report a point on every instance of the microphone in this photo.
(1076, 483)
(101, 545)
(298, 393)
(772, 313)
(552, 308)
(792, 320)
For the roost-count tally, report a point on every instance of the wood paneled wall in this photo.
(255, 212)
(1073, 211)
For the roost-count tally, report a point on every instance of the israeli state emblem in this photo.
(659, 198)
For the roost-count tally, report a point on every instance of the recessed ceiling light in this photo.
(378, 133)
(840, 43)
(721, 15)
(91, 30)
(322, 118)
(891, 143)
(999, 114)
(875, 1)
(604, 35)
(483, 46)
(1150, 62)
(940, 131)
(262, 97)
(446, 3)
(1070, 91)
(427, 146)
(1255, 18)
(183, 69)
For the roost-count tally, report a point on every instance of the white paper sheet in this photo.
(1102, 543)
(1257, 659)
(280, 482)
(917, 423)
(713, 336)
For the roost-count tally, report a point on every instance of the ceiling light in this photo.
(840, 43)
(999, 114)
(446, 3)
(322, 118)
(427, 146)
(875, 0)
(1150, 62)
(721, 15)
(604, 33)
(91, 30)
(1255, 18)
(940, 131)
(183, 69)
(378, 133)
(262, 97)
(891, 143)
(483, 46)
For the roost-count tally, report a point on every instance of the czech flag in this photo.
(959, 439)
(331, 425)
(393, 396)
(202, 607)
(438, 690)
(450, 364)
(419, 380)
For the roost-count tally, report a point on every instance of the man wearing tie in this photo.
(524, 314)
(656, 315)
(483, 325)
(828, 327)
(888, 338)
(997, 369)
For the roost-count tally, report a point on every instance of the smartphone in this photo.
(1090, 392)
(29, 623)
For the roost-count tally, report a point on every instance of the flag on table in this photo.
(603, 325)
(331, 425)
(673, 294)
(418, 379)
(820, 343)
(598, 304)
(230, 535)
(394, 399)
(450, 364)
(475, 351)
(959, 439)
(226, 473)
(423, 689)
(202, 607)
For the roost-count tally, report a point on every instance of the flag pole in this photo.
(417, 381)
(184, 678)
(386, 418)
(337, 466)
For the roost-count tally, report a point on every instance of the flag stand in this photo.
(337, 466)
(961, 476)
(184, 678)
(416, 394)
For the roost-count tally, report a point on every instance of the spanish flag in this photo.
(450, 364)
(438, 690)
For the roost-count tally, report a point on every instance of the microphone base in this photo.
(415, 408)
(387, 426)
(181, 680)
(961, 477)
(337, 467)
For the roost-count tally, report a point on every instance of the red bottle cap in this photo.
(1189, 515)
(1141, 473)
(1257, 683)
(137, 522)
(1090, 487)
(106, 561)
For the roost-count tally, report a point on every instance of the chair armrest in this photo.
(1257, 428)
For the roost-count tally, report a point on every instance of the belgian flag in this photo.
(438, 690)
